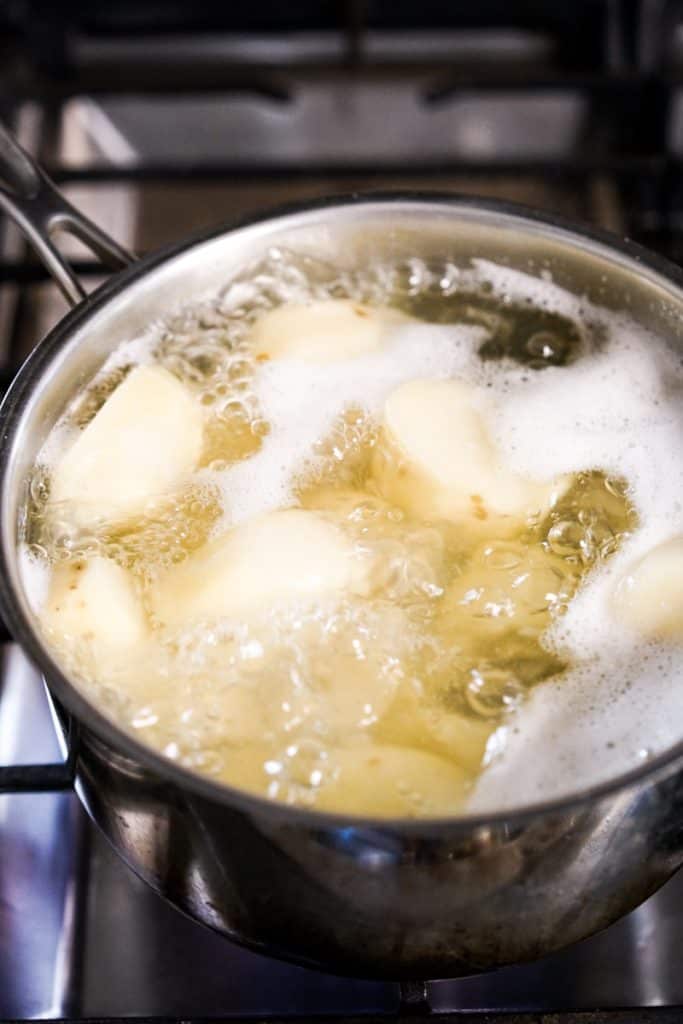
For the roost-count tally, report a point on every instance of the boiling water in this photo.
(477, 667)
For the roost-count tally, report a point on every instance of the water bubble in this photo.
(547, 348)
(209, 762)
(616, 486)
(39, 486)
(144, 718)
(304, 766)
(492, 691)
(566, 537)
(499, 555)
(410, 277)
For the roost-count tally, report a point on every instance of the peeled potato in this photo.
(649, 598)
(245, 767)
(95, 602)
(143, 441)
(324, 331)
(414, 721)
(351, 668)
(387, 781)
(374, 780)
(355, 680)
(439, 462)
(282, 556)
(241, 713)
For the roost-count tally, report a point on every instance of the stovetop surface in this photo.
(159, 120)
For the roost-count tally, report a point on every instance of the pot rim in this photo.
(104, 728)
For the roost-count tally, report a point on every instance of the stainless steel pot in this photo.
(395, 899)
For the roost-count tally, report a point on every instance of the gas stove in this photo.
(157, 120)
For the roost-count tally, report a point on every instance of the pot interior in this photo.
(345, 232)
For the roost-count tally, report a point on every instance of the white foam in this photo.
(621, 410)
(606, 716)
(541, 292)
(138, 351)
(35, 575)
(618, 409)
(301, 402)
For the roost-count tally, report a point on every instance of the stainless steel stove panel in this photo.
(40, 858)
(339, 121)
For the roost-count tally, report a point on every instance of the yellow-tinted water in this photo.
(380, 700)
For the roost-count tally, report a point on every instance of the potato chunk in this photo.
(440, 463)
(415, 720)
(280, 557)
(143, 441)
(649, 598)
(324, 331)
(95, 602)
(387, 780)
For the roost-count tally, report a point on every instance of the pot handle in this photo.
(38, 209)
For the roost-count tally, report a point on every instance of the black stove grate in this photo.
(657, 1015)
